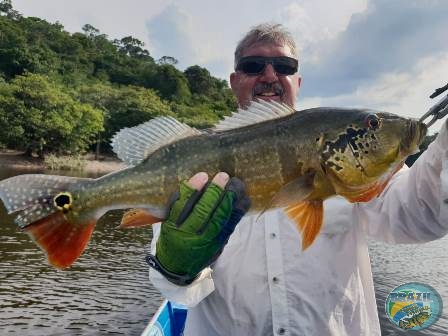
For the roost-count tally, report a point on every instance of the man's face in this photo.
(268, 85)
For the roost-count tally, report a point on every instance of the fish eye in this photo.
(373, 122)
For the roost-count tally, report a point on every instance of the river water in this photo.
(107, 291)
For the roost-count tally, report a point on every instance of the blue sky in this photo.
(382, 54)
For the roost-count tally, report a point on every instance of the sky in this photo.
(380, 54)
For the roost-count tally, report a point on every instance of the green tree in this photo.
(167, 60)
(124, 106)
(7, 10)
(170, 83)
(199, 80)
(40, 117)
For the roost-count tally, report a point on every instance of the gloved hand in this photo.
(198, 226)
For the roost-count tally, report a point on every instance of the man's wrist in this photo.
(177, 279)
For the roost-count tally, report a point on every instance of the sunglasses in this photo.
(255, 65)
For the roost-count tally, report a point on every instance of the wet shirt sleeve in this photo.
(413, 208)
(189, 295)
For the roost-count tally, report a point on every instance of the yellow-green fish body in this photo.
(285, 158)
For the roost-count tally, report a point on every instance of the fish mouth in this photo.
(416, 132)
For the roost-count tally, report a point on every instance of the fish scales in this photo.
(294, 162)
(265, 156)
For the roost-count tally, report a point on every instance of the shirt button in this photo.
(281, 331)
(273, 235)
(275, 279)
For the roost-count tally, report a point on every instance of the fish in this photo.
(287, 159)
(416, 320)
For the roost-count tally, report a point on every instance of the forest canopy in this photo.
(66, 93)
(63, 92)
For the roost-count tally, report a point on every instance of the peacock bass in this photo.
(286, 158)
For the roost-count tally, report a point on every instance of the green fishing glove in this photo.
(198, 226)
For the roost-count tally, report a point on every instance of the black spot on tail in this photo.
(62, 200)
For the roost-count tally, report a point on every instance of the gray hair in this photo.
(272, 33)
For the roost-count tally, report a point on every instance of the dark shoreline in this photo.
(17, 160)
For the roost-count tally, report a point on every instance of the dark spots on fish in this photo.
(366, 152)
(334, 166)
(61, 200)
(337, 158)
(324, 169)
(356, 154)
(360, 145)
(341, 143)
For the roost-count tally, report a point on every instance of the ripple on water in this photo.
(393, 265)
(107, 291)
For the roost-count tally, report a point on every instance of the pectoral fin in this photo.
(136, 218)
(308, 216)
(294, 192)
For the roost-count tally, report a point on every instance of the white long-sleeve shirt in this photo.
(263, 284)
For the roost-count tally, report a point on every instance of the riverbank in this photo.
(16, 160)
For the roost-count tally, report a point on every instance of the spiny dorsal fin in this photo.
(134, 144)
(258, 111)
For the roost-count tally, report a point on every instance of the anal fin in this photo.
(308, 216)
(137, 218)
(62, 240)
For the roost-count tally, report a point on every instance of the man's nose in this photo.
(269, 74)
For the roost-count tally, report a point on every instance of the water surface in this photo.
(107, 291)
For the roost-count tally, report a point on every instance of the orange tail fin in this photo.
(42, 205)
(308, 216)
(136, 218)
(63, 241)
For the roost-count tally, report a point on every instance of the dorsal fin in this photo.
(134, 144)
(257, 111)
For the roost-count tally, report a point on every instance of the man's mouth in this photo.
(267, 94)
(268, 90)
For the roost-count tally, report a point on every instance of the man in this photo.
(262, 283)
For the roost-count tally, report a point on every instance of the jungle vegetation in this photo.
(66, 93)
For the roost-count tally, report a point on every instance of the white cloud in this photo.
(380, 54)
(114, 18)
(403, 93)
(314, 23)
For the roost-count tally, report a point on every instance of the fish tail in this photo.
(43, 205)
(62, 241)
